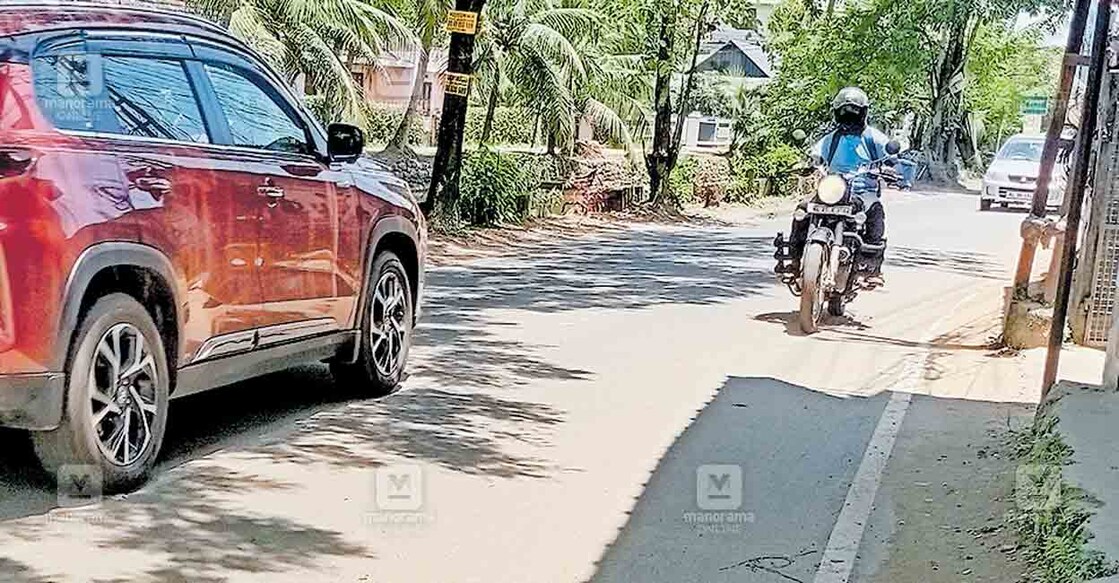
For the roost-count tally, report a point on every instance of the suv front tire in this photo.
(118, 383)
(386, 330)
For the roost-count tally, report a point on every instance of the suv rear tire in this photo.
(118, 383)
(984, 205)
(386, 330)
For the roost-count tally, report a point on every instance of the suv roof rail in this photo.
(117, 6)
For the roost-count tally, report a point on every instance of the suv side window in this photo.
(131, 96)
(255, 116)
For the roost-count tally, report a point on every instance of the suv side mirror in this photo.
(893, 147)
(345, 142)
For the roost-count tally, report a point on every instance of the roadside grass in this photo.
(1051, 516)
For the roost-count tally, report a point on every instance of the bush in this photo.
(495, 188)
(682, 180)
(511, 125)
(382, 122)
(773, 163)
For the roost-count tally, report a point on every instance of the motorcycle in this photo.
(836, 260)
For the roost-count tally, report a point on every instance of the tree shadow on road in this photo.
(758, 428)
(633, 270)
(968, 263)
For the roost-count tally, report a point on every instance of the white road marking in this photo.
(843, 545)
(847, 535)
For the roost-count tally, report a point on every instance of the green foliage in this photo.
(713, 95)
(495, 188)
(1051, 516)
(682, 181)
(1005, 67)
(897, 51)
(381, 124)
(307, 39)
(511, 125)
(527, 53)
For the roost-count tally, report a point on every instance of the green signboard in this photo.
(1035, 105)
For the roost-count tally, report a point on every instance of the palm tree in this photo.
(527, 50)
(311, 40)
(614, 96)
(429, 17)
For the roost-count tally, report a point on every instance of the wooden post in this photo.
(1077, 181)
(1030, 235)
(443, 193)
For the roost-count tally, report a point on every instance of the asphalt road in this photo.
(567, 411)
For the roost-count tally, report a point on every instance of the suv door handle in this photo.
(270, 191)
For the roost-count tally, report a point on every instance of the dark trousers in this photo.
(874, 233)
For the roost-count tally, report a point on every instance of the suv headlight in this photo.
(831, 189)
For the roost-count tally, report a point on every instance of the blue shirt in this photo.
(852, 150)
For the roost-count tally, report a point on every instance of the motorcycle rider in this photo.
(850, 145)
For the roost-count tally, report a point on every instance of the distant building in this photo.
(390, 81)
(736, 53)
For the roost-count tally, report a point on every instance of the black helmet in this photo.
(850, 107)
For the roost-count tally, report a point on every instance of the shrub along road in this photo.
(632, 405)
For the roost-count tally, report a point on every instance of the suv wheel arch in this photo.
(105, 257)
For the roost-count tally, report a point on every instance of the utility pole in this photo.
(462, 22)
(1035, 224)
(1075, 193)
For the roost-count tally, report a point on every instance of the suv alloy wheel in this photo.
(117, 396)
(386, 330)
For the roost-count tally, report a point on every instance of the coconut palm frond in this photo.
(247, 24)
(551, 46)
(572, 23)
(608, 121)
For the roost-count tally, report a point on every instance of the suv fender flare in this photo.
(389, 225)
(97, 258)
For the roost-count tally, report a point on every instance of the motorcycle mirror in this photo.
(799, 136)
(893, 147)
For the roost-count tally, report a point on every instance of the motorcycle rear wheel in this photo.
(811, 296)
(836, 306)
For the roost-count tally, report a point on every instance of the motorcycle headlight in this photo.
(831, 190)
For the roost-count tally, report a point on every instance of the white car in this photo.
(1012, 177)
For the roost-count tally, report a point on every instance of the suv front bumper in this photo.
(32, 401)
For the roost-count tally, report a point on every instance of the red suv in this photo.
(173, 220)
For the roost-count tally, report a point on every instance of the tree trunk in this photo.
(940, 134)
(657, 161)
(443, 194)
(551, 143)
(491, 110)
(667, 139)
(399, 141)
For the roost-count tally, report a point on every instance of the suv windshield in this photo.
(1022, 150)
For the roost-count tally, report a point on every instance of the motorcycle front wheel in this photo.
(811, 296)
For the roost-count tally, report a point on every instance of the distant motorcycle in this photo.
(836, 260)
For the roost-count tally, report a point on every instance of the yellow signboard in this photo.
(457, 84)
(462, 22)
